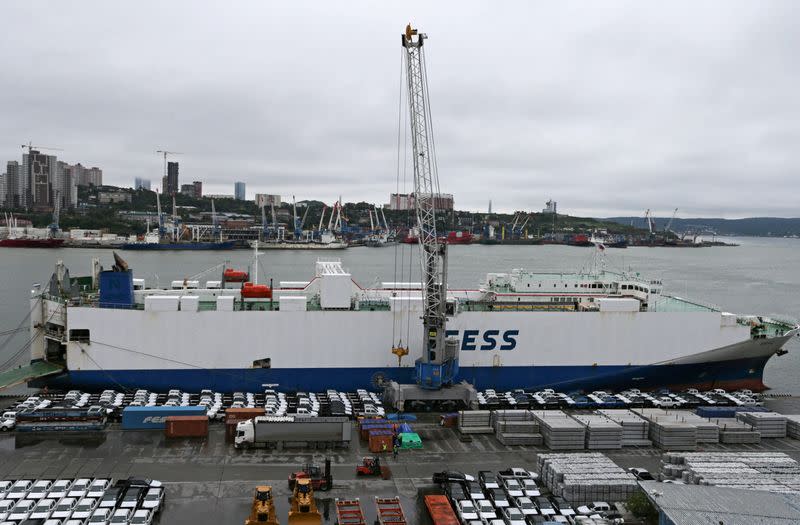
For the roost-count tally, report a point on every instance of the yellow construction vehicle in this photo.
(303, 510)
(263, 511)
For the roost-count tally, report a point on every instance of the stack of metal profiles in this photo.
(793, 426)
(667, 431)
(560, 431)
(733, 431)
(601, 432)
(585, 477)
(707, 430)
(770, 424)
(635, 429)
(770, 471)
(516, 427)
(475, 422)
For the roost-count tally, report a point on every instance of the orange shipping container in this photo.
(186, 426)
(380, 438)
(440, 510)
(242, 414)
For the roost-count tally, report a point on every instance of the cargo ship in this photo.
(520, 329)
(31, 242)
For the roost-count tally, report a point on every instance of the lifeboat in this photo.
(235, 276)
(256, 291)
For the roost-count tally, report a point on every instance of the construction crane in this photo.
(649, 221)
(31, 147)
(165, 153)
(438, 365)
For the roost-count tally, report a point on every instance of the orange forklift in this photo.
(320, 479)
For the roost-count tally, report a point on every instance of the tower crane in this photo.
(438, 365)
(31, 147)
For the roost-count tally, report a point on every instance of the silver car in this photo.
(154, 499)
(85, 508)
(64, 508)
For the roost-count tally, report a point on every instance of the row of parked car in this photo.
(81, 501)
(111, 403)
(514, 497)
(550, 399)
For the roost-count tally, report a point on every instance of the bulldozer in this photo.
(303, 510)
(263, 511)
(320, 479)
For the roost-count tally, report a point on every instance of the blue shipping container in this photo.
(154, 418)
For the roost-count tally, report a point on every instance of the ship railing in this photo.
(670, 303)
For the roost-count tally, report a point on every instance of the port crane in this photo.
(438, 365)
(669, 224)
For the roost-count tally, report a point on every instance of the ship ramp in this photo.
(23, 374)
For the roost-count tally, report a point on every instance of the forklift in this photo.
(320, 480)
(371, 466)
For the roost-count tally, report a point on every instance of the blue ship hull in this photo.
(225, 245)
(731, 374)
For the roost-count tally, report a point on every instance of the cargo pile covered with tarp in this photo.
(585, 477)
(770, 471)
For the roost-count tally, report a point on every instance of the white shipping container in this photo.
(190, 303)
(618, 305)
(292, 303)
(225, 303)
(161, 303)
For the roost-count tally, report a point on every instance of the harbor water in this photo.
(760, 276)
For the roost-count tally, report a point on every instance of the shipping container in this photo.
(440, 510)
(242, 414)
(155, 418)
(379, 438)
(186, 426)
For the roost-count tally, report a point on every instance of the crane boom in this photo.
(439, 364)
(669, 224)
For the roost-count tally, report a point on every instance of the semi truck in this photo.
(268, 431)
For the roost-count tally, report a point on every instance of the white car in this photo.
(154, 499)
(22, 510)
(466, 510)
(52, 521)
(8, 421)
(39, 489)
(73, 522)
(98, 488)
(19, 489)
(5, 507)
(79, 488)
(121, 517)
(43, 509)
(593, 508)
(665, 402)
(64, 508)
(100, 517)
(59, 489)
(513, 487)
(485, 509)
(142, 517)
(85, 508)
(526, 506)
(530, 488)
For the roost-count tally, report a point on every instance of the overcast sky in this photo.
(608, 110)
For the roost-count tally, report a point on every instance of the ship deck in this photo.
(207, 481)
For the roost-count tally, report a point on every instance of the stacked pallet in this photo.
(585, 477)
(475, 422)
(770, 471)
(769, 424)
(516, 427)
(733, 431)
(668, 430)
(634, 427)
(560, 431)
(601, 432)
(793, 426)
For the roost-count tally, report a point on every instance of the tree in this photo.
(640, 506)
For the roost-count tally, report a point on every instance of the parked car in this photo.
(100, 516)
(19, 489)
(133, 498)
(545, 507)
(39, 489)
(498, 498)
(154, 499)
(466, 510)
(98, 487)
(451, 475)
(594, 508)
(530, 488)
(142, 517)
(64, 509)
(456, 491)
(488, 480)
(512, 487)
(641, 474)
(111, 498)
(562, 505)
(526, 505)
(21, 510)
(44, 507)
(85, 508)
(513, 516)
(79, 488)
(121, 517)
(485, 509)
(59, 489)
(473, 490)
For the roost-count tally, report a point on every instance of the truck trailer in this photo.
(269, 431)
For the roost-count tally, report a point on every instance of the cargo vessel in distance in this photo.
(571, 331)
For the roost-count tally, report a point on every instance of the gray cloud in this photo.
(609, 110)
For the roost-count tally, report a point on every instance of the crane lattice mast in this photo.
(437, 365)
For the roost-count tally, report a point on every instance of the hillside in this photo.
(752, 226)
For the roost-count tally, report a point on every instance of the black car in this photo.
(456, 491)
(545, 507)
(451, 475)
(133, 498)
(488, 480)
(112, 497)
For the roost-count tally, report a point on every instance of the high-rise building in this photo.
(550, 207)
(239, 191)
(265, 199)
(198, 189)
(39, 172)
(14, 193)
(169, 183)
(65, 185)
(3, 190)
(140, 183)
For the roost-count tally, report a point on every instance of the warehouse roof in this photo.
(702, 504)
